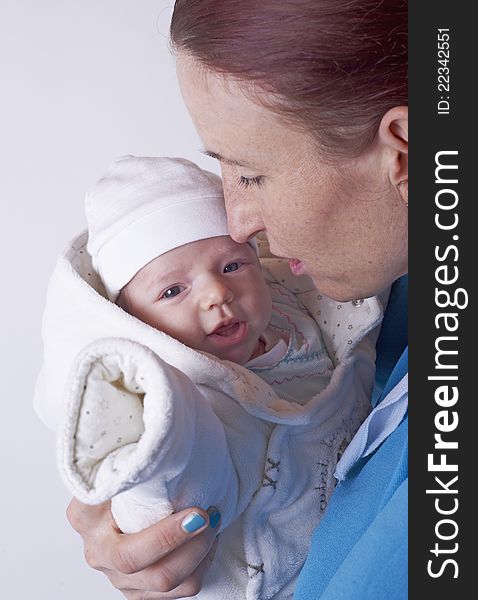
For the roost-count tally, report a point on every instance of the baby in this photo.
(209, 294)
(159, 241)
(204, 380)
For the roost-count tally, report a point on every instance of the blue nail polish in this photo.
(193, 522)
(214, 518)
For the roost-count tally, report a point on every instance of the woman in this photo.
(304, 104)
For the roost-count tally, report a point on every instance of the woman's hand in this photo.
(162, 561)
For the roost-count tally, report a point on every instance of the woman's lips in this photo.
(296, 266)
(229, 334)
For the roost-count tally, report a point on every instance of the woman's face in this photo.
(344, 224)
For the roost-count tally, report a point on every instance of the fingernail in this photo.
(193, 522)
(214, 517)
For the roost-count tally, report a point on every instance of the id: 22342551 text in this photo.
(443, 71)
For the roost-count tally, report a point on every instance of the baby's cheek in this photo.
(265, 304)
(166, 323)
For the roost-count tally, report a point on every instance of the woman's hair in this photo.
(333, 67)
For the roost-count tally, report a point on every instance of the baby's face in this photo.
(210, 295)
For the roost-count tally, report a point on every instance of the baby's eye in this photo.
(172, 292)
(231, 267)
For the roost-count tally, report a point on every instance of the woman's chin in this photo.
(335, 289)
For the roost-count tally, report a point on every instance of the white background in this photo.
(82, 82)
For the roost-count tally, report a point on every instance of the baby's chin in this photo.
(239, 355)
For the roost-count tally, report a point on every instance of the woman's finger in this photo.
(172, 570)
(189, 587)
(85, 518)
(106, 548)
(96, 526)
(136, 552)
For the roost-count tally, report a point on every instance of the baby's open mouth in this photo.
(230, 333)
(227, 330)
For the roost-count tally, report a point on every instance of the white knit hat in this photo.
(144, 207)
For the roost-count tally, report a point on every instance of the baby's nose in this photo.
(214, 293)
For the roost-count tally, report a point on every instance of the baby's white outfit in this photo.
(160, 427)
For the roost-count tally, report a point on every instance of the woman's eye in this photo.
(248, 182)
(172, 292)
(231, 267)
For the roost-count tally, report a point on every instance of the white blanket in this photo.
(157, 426)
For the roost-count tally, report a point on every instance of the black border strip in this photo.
(442, 354)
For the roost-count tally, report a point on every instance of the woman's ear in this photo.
(393, 134)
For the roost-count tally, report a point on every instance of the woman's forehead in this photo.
(231, 125)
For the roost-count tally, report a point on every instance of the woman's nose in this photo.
(243, 215)
(214, 293)
(242, 228)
